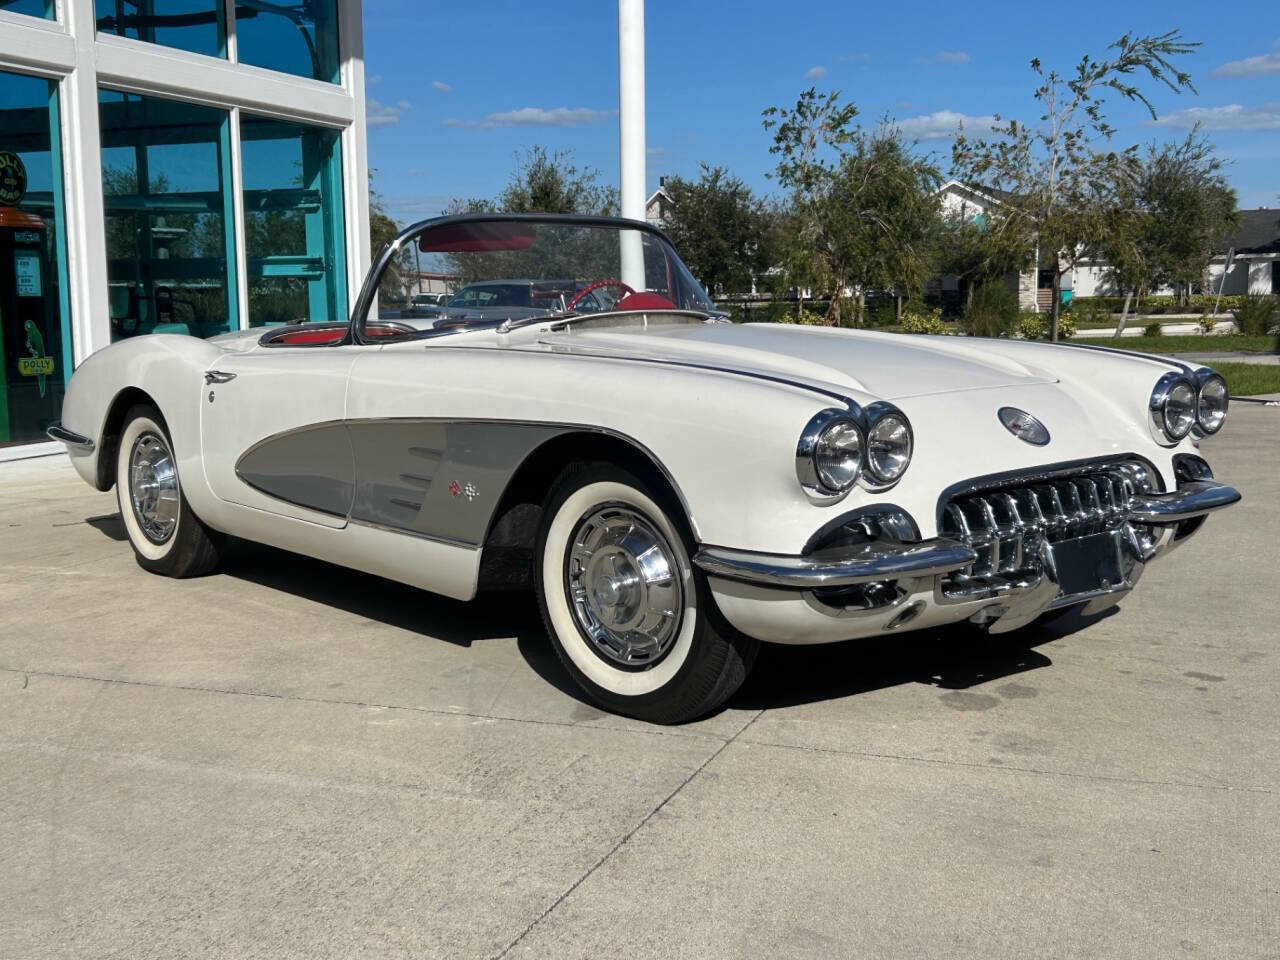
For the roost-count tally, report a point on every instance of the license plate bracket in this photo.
(1091, 563)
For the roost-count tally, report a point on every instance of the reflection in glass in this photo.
(194, 25)
(32, 8)
(35, 332)
(35, 341)
(299, 37)
(165, 176)
(523, 270)
(293, 222)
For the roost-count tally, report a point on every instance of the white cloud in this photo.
(373, 79)
(1250, 66)
(441, 86)
(536, 117)
(655, 151)
(1231, 116)
(856, 58)
(943, 125)
(378, 114)
(404, 105)
(816, 73)
(945, 56)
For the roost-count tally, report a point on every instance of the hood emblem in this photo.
(1023, 426)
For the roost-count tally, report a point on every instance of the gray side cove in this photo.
(430, 478)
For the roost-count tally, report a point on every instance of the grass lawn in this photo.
(1193, 343)
(1250, 379)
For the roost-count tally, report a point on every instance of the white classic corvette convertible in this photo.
(675, 488)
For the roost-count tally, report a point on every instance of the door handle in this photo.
(217, 376)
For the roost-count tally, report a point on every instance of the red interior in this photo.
(329, 334)
(644, 301)
(477, 237)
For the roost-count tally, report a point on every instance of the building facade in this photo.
(171, 166)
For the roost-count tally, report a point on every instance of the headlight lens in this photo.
(889, 447)
(837, 456)
(1211, 405)
(1180, 410)
(1173, 407)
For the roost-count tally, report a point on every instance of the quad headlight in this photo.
(840, 447)
(1211, 400)
(889, 443)
(1172, 407)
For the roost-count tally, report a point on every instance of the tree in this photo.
(1048, 167)
(545, 182)
(864, 203)
(382, 230)
(1190, 206)
(720, 229)
(977, 250)
(1163, 217)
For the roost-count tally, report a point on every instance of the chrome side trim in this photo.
(1190, 500)
(866, 562)
(70, 438)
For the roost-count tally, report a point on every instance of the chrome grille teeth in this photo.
(1005, 526)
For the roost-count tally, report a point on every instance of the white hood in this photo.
(886, 365)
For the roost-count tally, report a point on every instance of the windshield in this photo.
(529, 268)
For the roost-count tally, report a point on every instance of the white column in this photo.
(86, 221)
(631, 129)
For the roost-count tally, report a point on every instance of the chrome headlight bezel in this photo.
(1158, 408)
(821, 425)
(877, 415)
(1205, 377)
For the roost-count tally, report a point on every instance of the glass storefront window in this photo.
(297, 38)
(35, 328)
(194, 25)
(293, 222)
(32, 8)
(166, 183)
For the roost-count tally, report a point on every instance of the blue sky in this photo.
(456, 90)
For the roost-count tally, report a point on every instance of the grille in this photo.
(1006, 523)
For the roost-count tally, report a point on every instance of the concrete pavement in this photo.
(290, 760)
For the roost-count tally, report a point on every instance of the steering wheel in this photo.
(577, 297)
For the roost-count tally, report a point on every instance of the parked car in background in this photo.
(674, 488)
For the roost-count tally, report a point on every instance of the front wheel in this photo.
(630, 617)
(167, 537)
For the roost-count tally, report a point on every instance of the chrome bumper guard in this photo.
(62, 435)
(864, 563)
(1190, 500)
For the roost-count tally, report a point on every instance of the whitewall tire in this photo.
(629, 615)
(167, 537)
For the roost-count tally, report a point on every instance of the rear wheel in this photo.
(167, 537)
(630, 617)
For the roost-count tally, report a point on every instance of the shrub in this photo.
(1031, 326)
(1156, 306)
(807, 318)
(992, 312)
(1153, 330)
(1066, 326)
(914, 321)
(1256, 314)
(1206, 322)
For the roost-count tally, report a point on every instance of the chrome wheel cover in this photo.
(153, 487)
(623, 582)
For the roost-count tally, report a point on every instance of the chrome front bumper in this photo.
(919, 579)
(882, 560)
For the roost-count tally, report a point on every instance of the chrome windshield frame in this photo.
(369, 289)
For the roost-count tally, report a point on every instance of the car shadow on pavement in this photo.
(385, 601)
(951, 658)
(955, 657)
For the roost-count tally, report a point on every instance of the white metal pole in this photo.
(631, 123)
